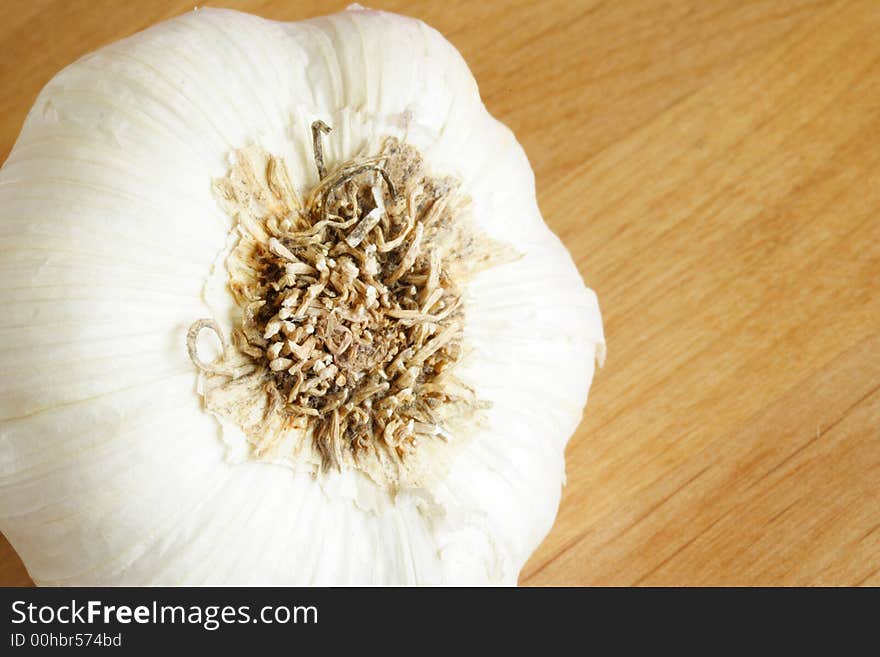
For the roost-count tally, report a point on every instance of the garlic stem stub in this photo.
(282, 310)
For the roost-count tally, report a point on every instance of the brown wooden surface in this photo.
(714, 168)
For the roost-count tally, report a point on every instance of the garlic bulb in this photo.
(281, 309)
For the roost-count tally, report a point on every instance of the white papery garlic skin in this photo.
(112, 243)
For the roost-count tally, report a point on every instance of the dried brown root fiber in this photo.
(351, 309)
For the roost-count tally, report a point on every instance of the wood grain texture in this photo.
(713, 168)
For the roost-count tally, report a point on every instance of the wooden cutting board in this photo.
(714, 168)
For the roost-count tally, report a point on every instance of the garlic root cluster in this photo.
(351, 311)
